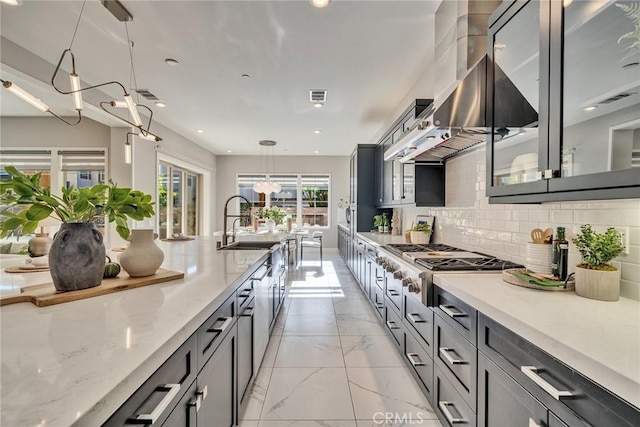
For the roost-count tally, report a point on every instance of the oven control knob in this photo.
(389, 267)
(380, 260)
(406, 281)
(398, 275)
(414, 287)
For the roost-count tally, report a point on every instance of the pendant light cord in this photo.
(132, 74)
(77, 25)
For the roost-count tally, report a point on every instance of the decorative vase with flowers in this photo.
(77, 255)
(595, 277)
(272, 216)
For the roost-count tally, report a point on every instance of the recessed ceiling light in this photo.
(171, 61)
(12, 2)
(160, 104)
(320, 3)
(316, 152)
(318, 104)
(317, 131)
(229, 151)
(590, 108)
(200, 130)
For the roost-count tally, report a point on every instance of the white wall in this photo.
(228, 167)
(470, 222)
(25, 132)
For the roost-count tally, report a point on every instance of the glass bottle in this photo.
(560, 255)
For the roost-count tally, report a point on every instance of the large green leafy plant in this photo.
(597, 249)
(75, 205)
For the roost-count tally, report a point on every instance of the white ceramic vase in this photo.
(142, 257)
(598, 284)
(271, 225)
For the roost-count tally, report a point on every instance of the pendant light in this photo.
(267, 187)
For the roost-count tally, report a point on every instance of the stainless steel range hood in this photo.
(461, 121)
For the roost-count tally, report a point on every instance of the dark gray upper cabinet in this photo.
(574, 64)
(363, 189)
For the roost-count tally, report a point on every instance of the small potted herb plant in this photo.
(378, 222)
(595, 277)
(420, 233)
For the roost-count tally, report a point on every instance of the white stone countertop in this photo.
(76, 363)
(381, 239)
(599, 339)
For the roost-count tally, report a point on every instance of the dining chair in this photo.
(313, 241)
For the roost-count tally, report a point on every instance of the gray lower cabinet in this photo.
(419, 359)
(165, 390)
(262, 312)
(216, 385)
(246, 365)
(503, 402)
(449, 405)
(184, 414)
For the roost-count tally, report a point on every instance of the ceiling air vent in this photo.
(317, 95)
(616, 97)
(148, 95)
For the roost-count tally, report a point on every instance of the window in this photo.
(82, 169)
(178, 201)
(27, 162)
(304, 196)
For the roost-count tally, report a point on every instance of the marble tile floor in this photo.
(330, 362)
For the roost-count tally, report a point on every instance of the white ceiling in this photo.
(367, 54)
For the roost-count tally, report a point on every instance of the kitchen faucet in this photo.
(225, 237)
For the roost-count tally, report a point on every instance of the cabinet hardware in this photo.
(266, 273)
(392, 325)
(412, 358)
(444, 351)
(203, 393)
(531, 372)
(548, 174)
(379, 305)
(415, 318)
(248, 312)
(223, 327)
(532, 423)
(150, 418)
(444, 407)
(451, 313)
(245, 294)
(393, 293)
(196, 403)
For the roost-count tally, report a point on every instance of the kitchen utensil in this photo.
(537, 235)
(548, 236)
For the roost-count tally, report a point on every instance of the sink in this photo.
(250, 245)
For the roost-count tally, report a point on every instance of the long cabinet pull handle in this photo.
(150, 418)
(223, 327)
(245, 294)
(257, 279)
(248, 312)
(379, 305)
(532, 423)
(444, 351)
(393, 293)
(531, 372)
(412, 358)
(392, 325)
(201, 396)
(444, 407)
(451, 313)
(415, 318)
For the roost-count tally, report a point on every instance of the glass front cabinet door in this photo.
(577, 64)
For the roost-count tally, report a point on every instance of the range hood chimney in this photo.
(460, 117)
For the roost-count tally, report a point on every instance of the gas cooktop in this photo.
(438, 257)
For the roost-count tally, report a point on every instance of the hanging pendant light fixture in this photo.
(267, 187)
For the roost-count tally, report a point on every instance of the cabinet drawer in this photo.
(566, 392)
(503, 402)
(156, 398)
(420, 361)
(393, 324)
(244, 295)
(377, 298)
(458, 314)
(449, 406)
(458, 359)
(394, 290)
(419, 317)
(214, 329)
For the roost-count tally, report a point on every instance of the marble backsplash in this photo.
(470, 222)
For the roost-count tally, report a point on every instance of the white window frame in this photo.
(298, 195)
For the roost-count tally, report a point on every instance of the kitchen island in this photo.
(76, 363)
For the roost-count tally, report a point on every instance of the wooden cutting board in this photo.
(46, 294)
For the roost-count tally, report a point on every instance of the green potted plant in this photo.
(420, 233)
(77, 255)
(595, 277)
(378, 222)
